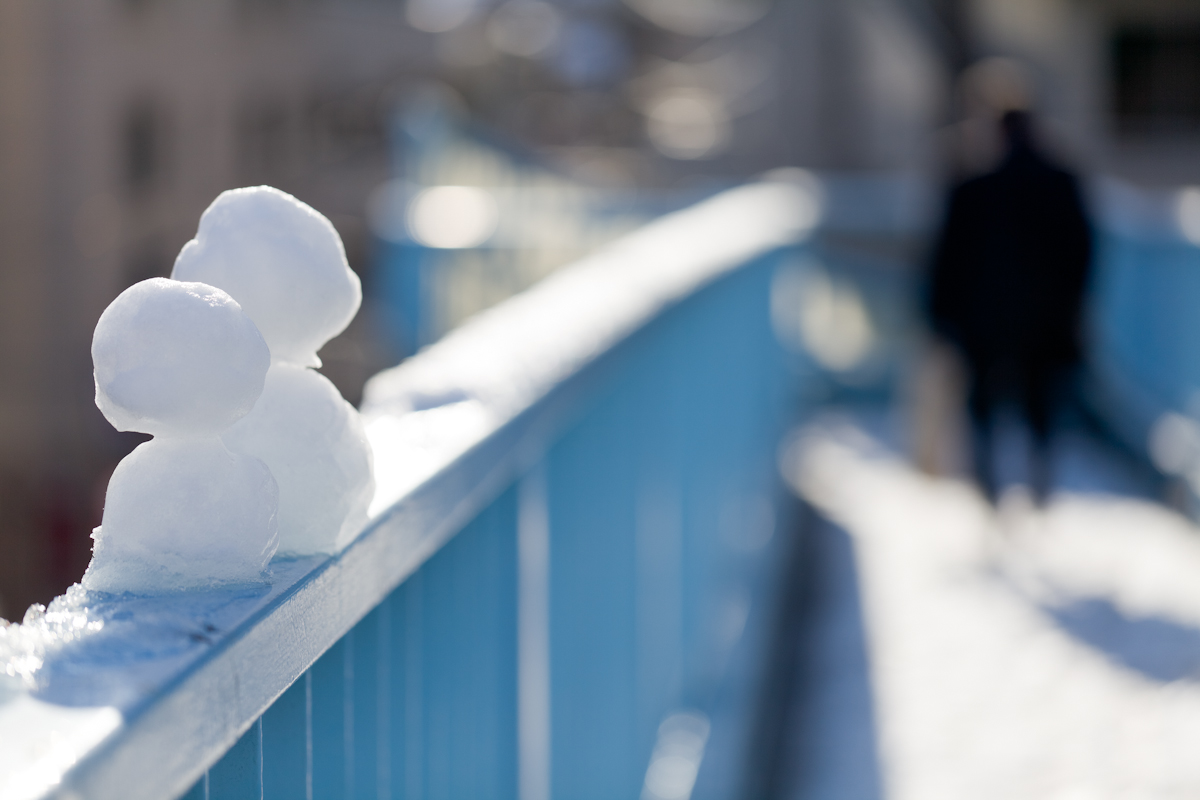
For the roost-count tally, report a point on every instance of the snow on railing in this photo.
(562, 486)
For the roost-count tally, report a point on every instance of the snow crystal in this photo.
(24, 647)
(284, 263)
(180, 361)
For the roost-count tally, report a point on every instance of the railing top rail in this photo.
(450, 427)
(502, 361)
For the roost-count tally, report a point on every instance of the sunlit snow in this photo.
(1027, 653)
(182, 362)
(285, 264)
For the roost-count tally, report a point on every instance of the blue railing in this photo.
(577, 499)
(1144, 370)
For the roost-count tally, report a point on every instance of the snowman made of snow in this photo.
(284, 263)
(181, 362)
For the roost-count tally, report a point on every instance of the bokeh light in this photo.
(525, 28)
(688, 123)
(452, 216)
(834, 321)
(701, 17)
(438, 16)
(1187, 212)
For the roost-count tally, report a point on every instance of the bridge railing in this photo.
(1145, 329)
(577, 497)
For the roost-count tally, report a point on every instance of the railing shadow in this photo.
(1160, 649)
(816, 733)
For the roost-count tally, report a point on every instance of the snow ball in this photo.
(283, 261)
(316, 447)
(184, 513)
(176, 359)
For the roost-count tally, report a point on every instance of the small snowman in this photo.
(182, 362)
(285, 264)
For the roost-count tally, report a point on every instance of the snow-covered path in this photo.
(1020, 654)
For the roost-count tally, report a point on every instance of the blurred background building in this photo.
(465, 148)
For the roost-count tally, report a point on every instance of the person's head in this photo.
(991, 86)
(1017, 127)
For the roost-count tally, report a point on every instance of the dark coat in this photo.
(1012, 264)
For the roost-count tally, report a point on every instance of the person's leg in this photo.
(981, 403)
(1039, 390)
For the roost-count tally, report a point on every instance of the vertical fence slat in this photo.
(285, 745)
(659, 596)
(533, 637)
(408, 719)
(329, 724)
(592, 485)
(470, 661)
(364, 707)
(386, 725)
(349, 682)
(238, 776)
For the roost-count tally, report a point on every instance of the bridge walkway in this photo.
(946, 649)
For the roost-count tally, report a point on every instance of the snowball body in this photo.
(284, 263)
(315, 445)
(183, 513)
(180, 361)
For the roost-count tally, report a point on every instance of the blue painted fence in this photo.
(632, 518)
(1146, 321)
(575, 518)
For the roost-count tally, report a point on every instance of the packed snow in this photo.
(182, 362)
(316, 447)
(285, 264)
(176, 359)
(1019, 653)
(282, 261)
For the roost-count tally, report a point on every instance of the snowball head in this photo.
(285, 264)
(184, 513)
(176, 359)
(316, 447)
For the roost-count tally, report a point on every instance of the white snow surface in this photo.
(180, 361)
(181, 513)
(1045, 654)
(176, 359)
(315, 445)
(73, 672)
(284, 262)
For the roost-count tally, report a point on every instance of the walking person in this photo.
(1009, 274)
